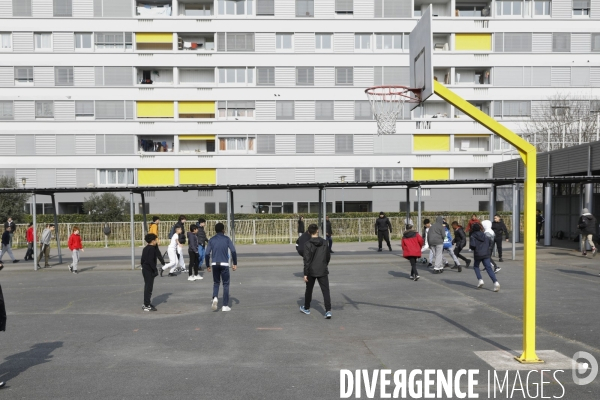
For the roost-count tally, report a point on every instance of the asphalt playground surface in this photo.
(85, 336)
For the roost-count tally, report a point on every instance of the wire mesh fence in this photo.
(249, 231)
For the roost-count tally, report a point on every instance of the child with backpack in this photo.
(412, 243)
(75, 246)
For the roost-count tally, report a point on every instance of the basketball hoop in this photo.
(387, 104)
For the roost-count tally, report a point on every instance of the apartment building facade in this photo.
(101, 93)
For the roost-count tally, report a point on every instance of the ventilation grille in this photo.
(150, 194)
(145, 55)
(482, 23)
(423, 124)
(204, 88)
(204, 55)
(145, 21)
(480, 158)
(480, 91)
(146, 123)
(480, 192)
(145, 156)
(146, 89)
(205, 156)
(204, 20)
(425, 193)
(205, 193)
(481, 57)
(204, 123)
(423, 156)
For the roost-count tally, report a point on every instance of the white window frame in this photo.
(41, 35)
(103, 173)
(223, 5)
(500, 8)
(546, 8)
(380, 42)
(280, 42)
(319, 42)
(248, 75)
(584, 12)
(363, 42)
(236, 113)
(29, 81)
(81, 34)
(43, 116)
(5, 38)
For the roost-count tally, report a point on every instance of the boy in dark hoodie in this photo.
(193, 253)
(202, 240)
(459, 241)
(383, 228)
(149, 270)
(316, 259)
(482, 246)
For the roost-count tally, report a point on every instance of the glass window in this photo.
(362, 41)
(232, 144)
(43, 41)
(232, 75)
(542, 7)
(305, 8)
(581, 7)
(235, 7)
(384, 41)
(116, 177)
(509, 8)
(44, 109)
(83, 40)
(323, 41)
(5, 41)
(344, 76)
(6, 110)
(362, 174)
(24, 74)
(283, 41)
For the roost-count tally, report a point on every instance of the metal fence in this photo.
(255, 231)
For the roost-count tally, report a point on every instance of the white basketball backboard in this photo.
(421, 57)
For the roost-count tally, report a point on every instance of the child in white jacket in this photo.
(174, 248)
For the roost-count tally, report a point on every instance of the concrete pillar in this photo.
(548, 214)
(419, 208)
(132, 230)
(588, 197)
(144, 213)
(492, 202)
(407, 204)
(56, 230)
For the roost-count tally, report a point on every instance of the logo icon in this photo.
(582, 363)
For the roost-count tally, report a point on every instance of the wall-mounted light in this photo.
(24, 181)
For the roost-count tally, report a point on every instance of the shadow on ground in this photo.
(18, 363)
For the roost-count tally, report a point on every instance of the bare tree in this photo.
(562, 120)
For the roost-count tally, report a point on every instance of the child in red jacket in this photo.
(29, 237)
(75, 245)
(412, 243)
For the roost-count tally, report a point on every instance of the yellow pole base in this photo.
(523, 360)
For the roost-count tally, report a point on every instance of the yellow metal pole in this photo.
(528, 154)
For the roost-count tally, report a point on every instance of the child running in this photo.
(482, 249)
(172, 250)
(412, 243)
(75, 245)
(149, 271)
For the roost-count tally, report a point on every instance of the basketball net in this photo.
(387, 104)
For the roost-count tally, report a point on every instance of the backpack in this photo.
(107, 229)
(560, 235)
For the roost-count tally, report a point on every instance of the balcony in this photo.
(154, 8)
(439, 8)
(472, 9)
(469, 77)
(441, 42)
(195, 8)
(156, 143)
(196, 144)
(155, 76)
(199, 42)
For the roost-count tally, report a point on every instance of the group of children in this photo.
(437, 239)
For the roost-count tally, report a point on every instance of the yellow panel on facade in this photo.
(203, 176)
(431, 174)
(197, 137)
(431, 142)
(153, 37)
(473, 41)
(155, 109)
(156, 177)
(196, 107)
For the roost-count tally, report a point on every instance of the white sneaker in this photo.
(480, 284)
(214, 304)
(198, 278)
(226, 308)
(191, 278)
(497, 287)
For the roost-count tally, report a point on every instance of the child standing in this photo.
(149, 271)
(172, 250)
(202, 240)
(29, 237)
(75, 245)
(193, 252)
(316, 262)
(412, 243)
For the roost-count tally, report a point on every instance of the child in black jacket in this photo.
(149, 270)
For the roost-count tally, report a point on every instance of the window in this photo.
(235, 75)
(560, 111)
(235, 7)
(266, 144)
(265, 7)
(84, 108)
(5, 41)
(362, 174)
(6, 110)
(44, 109)
(234, 143)
(516, 108)
(581, 7)
(386, 41)
(236, 109)
(21, 8)
(362, 110)
(344, 144)
(113, 109)
(390, 174)
(324, 110)
(43, 41)
(323, 41)
(472, 10)
(209, 208)
(344, 7)
(63, 8)
(283, 41)
(23, 74)
(509, 8)
(227, 41)
(305, 8)
(542, 7)
(595, 41)
(305, 76)
(305, 144)
(63, 76)
(83, 41)
(362, 41)
(561, 42)
(344, 76)
(116, 177)
(285, 109)
(114, 40)
(265, 76)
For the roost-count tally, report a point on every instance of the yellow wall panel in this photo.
(156, 177)
(204, 176)
(196, 107)
(196, 137)
(431, 174)
(431, 142)
(473, 41)
(153, 37)
(155, 109)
